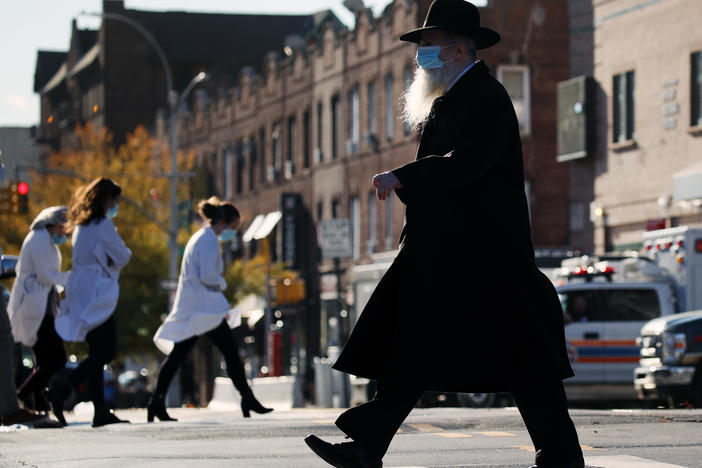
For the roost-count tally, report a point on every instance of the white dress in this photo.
(199, 304)
(92, 289)
(38, 270)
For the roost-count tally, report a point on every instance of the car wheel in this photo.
(476, 400)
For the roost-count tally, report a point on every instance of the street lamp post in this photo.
(174, 101)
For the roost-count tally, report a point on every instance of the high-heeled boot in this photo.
(250, 403)
(157, 408)
(57, 395)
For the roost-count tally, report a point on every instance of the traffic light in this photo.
(23, 197)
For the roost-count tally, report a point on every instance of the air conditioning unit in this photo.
(270, 173)
(288, 170)
(318, 156)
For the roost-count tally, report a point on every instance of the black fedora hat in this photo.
(455, 16)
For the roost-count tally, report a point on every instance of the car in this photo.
(670, 368)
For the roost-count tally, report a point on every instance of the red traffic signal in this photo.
(23, 188)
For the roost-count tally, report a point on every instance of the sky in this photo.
(30, 25)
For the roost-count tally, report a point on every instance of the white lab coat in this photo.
(199, 304)
(38, 271)
(92, 289)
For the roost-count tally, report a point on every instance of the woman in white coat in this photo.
(33, 304)
(92, 291)
(200, 309)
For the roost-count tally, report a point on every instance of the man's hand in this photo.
(385, 183)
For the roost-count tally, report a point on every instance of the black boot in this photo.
(57, 395)
(343, 455)
(250, 403)
(104, 416)
(157, 408)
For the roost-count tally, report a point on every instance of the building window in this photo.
(320, 115)
(515, 79)
(335, 105)
(240, 168)
(372, 222)
(623, 107)
(262, 146)
(336, 205)
(696, 89)
(277, 167)
(320, 210)
(389, 111)
(227, 158)
(253, 163)
(388, 222)
(408, 83)
(372, 130)
(306, 139)
(354, 121)
(289, 169)
(355, 215)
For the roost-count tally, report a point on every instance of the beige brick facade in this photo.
(634, 179)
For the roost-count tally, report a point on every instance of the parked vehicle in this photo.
(670, 368)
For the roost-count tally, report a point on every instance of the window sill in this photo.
(695, 130)
(624, 145)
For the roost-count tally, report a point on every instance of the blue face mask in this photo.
(227, 235)
(428, 57)
(58, 240)
(112, 212)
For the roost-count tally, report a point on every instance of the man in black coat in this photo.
(463, 307)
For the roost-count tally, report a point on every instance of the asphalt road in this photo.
(437, 437)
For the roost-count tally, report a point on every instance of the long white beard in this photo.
(426, 86)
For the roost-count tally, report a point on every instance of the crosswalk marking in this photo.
(453, 435)
(425, 427)
(496, 434)
(585, 448)
(626, 461)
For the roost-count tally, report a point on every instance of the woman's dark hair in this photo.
(213, 209)
(88, 202)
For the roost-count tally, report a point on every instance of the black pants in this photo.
(49, 355)
(102, 348)
(544, 410)
(222, 338)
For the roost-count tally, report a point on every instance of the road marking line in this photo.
(496, 434)
(626, 461)
(585, 448)
(453, 435)
(325, 421)
(426, 428)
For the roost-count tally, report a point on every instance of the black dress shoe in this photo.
(344, 455)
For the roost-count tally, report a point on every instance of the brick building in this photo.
(322, 117)
(644, 168)
(113, 77)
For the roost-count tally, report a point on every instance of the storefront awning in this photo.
(687, 184)
(261, 226)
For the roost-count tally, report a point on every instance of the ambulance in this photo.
(606, 303)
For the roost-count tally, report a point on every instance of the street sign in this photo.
(168, 284)
(336, 238)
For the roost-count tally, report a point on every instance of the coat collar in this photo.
(464, 83)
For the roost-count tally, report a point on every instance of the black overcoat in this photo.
(463, 306)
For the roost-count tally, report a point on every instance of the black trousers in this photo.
(222, 338)
(49, 355)
(102, 348)
(544, 410)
